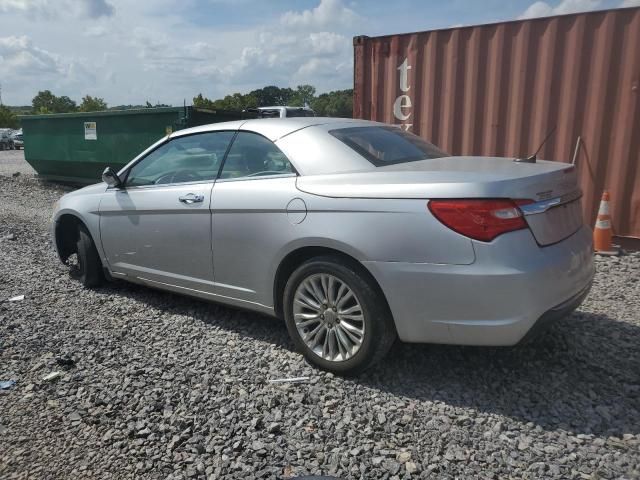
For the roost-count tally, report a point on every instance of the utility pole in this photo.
(0, 94)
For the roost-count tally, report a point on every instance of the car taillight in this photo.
(480, 219)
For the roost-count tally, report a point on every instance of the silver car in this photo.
(356, 233)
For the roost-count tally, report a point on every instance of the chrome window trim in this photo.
(160, 185)
(544, 205)
(261, 177)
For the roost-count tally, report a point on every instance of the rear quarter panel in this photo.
(253, 232)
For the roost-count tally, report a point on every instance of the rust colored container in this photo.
(498, 89)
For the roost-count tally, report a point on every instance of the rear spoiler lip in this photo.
(544, 205)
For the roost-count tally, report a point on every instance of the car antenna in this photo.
(534, 157)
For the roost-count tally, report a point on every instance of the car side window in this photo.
(252, 155)
(192, 158)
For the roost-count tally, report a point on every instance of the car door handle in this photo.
(190, 198)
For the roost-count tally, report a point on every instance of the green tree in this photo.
(92, 104)
(43, 102)
(47, 102)
(303, 95)
(202, 102)
(157, 105)
(272, 95)
(338, 103)
(65, 105)
(8, 119)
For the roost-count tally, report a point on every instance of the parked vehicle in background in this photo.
(354, 232)
(6, 141)
(18, 142)
(283, 112)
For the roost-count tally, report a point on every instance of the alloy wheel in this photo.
(328, 317)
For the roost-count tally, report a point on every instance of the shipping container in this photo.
(499, 89)
(77, 147)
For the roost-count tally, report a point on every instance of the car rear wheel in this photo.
(336, 316)
(88, 267)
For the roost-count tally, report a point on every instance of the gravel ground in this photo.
(12, 162)
(153, 385)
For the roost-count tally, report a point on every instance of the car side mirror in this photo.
(111, 178)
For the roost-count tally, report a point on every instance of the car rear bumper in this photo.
(513, 285)
(556, 313)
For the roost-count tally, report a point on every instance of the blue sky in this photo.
(132, 51)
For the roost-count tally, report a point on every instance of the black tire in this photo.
(379, 331)
(89, 268)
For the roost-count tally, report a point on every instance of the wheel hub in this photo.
(330, 318)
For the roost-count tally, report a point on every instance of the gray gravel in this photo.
(153, 385)
(12, 162)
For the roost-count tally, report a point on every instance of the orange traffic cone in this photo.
(602, 232)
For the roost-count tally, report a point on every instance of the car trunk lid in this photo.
(552, 187)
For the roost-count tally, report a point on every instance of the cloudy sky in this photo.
(131, 51)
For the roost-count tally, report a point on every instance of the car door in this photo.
(250, 221)
(157, 227)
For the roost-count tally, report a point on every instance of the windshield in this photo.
(387, 145)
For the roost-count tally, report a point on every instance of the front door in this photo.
(250, 221)
(157, 228)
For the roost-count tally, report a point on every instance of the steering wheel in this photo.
(265, 172)
(176, 177)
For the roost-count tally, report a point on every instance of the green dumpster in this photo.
(76, 147)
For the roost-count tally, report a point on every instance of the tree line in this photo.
(47, 102)
(338, 103)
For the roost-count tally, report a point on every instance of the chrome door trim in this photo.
(201, 293)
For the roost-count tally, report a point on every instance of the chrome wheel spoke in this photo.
(313, 294)
(342, 290)
(345, 299)
(349, 311)
(325, 345)
(317, 290)
(306, 301)
(343, 342)
(328, 317)
(307, 323)
(313, 337)
(354, 334)
(330, 282)
(310, 296)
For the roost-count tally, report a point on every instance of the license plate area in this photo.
(557, 223)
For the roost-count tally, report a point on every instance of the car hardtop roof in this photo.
(274, 128)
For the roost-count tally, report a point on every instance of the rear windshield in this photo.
(387, 145)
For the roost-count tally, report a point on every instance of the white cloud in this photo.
(96, 31)
(286, 54)
(58, 8)
(327, 43)
(19, 56)
(630, 3)
(328, 14)
(156, 51)
(544, 9)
